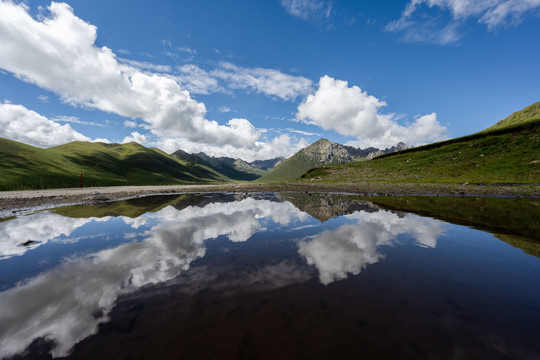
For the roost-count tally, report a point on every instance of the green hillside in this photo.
(26, 167)
(290, 169)
(507, 155)
(529, 114)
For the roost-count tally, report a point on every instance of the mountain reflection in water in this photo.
(184, 249)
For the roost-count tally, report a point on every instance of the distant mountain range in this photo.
(509, 151)
(322, 152)
(26, 167)
(235, 169)
(319, 153)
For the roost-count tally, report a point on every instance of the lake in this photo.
(270, 276)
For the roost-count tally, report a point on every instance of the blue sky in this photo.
(258, 79)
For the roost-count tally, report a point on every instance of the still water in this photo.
(272, 276)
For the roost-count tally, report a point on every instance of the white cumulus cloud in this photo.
(21, 124)
(353, 112)
(419, 26)
(135, 136)
(57, 52)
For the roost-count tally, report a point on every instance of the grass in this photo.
(24, 167)
(506, 155)
(530, 113)
(290, 169)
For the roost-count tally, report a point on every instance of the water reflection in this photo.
(19, 235)
(350, 248)
(198, 245)
(67, 303)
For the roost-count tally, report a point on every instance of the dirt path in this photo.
(12, 201)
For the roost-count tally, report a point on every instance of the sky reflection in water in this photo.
(65, 297)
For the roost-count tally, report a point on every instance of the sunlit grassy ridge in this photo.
(291, 168)
(507, 155)
(529, 114)
(27, 167)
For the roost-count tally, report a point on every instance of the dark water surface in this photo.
(266, 276)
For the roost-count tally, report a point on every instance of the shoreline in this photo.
(15, 201)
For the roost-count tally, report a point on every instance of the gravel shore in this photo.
(13, 201)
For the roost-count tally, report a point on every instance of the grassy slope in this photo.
(530, 113)
(506, 155)
(27, 167)
(290, 169)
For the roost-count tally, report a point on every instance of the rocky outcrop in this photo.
(325, 152)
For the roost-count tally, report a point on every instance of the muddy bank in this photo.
(17, 200)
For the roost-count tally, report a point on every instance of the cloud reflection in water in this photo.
(350, 248)
(67, 303)
(38, 228)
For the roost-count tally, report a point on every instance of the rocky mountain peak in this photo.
(323, 151)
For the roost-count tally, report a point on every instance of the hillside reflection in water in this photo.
(205, 268)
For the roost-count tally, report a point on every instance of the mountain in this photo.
(267, 164)
(27, 167)
(529, 114)
(236, 169)
(322, 152)
(319, 153)
(223, 165)
(399, 147)
(508, 153)
(216, 161)
(242, 165)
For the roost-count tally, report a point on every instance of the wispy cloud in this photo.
(440, 21)
(76, 120)
(198, 81)
(131, 124)
(145, 65)
(187, 49)
(43, 98)
(305, 133)
(309, 10)
(123, 51)
(227, 76)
